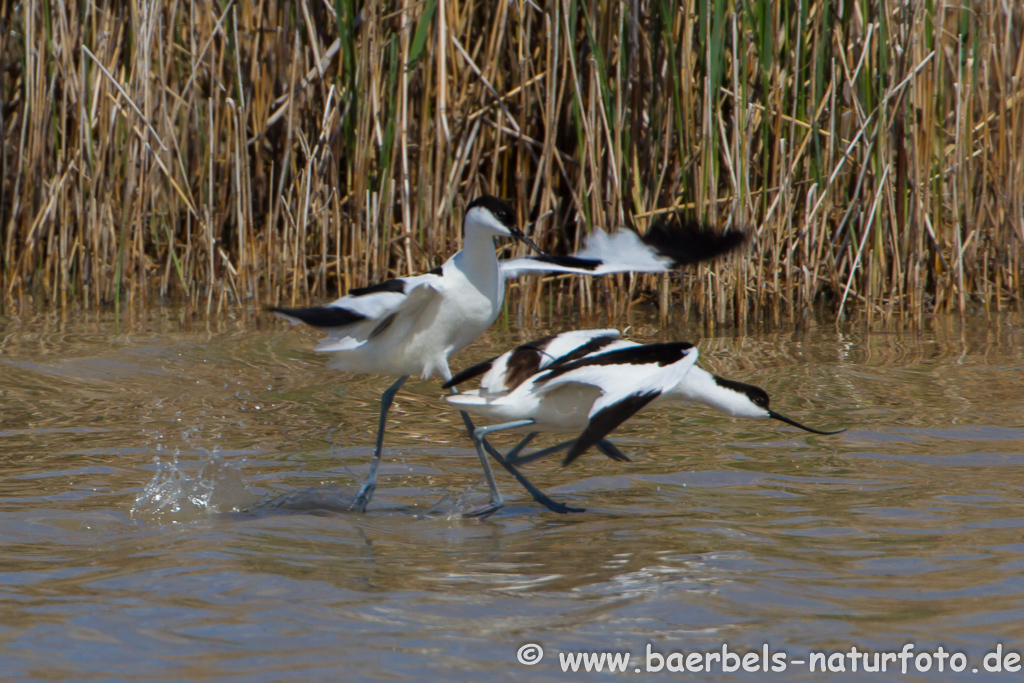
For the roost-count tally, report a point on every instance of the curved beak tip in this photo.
(783, 418)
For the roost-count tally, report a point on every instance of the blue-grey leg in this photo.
(537, 494)
(537, 455)
(366, 491)
(481, 432)
(496, 502)
(517, 449)
(478, 434)
(605, 446)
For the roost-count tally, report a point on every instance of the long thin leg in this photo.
(605, 446)
(537, 455)
(480, 443)
(496, 502)
(366, 491)
(517, 449)
(537, 494)
(481, 432)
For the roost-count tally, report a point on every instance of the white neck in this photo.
(699, 385)
(480, 264)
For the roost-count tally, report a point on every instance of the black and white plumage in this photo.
(598, 382)
(590, 393)
(667, 244)
(412, 325)
(503, 373)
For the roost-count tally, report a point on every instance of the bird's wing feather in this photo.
(629, 377)
(506, 372)
(353, 319)
(569, 346)
(649, 376)
(604, 422)
(665, 245)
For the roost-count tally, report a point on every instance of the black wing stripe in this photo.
(609, 449)
(595, 344)
(470, 372)
(569, 261)
(396, 285)
(687, 241)
(662, 354)
(321, 316)
(606, 420)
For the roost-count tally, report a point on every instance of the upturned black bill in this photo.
(772, 413)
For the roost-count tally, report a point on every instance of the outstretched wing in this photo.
(366, 312)
(665, 245)
(629, 377)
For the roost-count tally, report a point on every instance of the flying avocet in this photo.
(591, 381)
(412, 325)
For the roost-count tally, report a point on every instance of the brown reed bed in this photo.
(266, 152)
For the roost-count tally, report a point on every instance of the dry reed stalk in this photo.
(262, 152)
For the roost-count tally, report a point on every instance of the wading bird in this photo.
(412, 325)
(591, 381)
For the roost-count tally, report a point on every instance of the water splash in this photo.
(173, 495)
(453, 508)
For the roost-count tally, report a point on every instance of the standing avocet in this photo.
(412, 325)
(590, 381)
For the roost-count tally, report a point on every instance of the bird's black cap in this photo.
(505, 214)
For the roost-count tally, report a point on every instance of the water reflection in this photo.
(905, 528)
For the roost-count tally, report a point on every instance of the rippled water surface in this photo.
(170, 494)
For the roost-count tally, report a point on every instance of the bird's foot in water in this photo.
(362, 498)
(484, 511)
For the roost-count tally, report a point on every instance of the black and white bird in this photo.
(590, 382)
(412, 325)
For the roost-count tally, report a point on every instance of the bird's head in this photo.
(494, 216)
(746, 400)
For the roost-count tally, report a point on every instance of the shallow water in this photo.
(157, 520)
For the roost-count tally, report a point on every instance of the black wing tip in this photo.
(607, 420)
(574, 452)
(280, 310)
(320, 316)
(688, 241)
